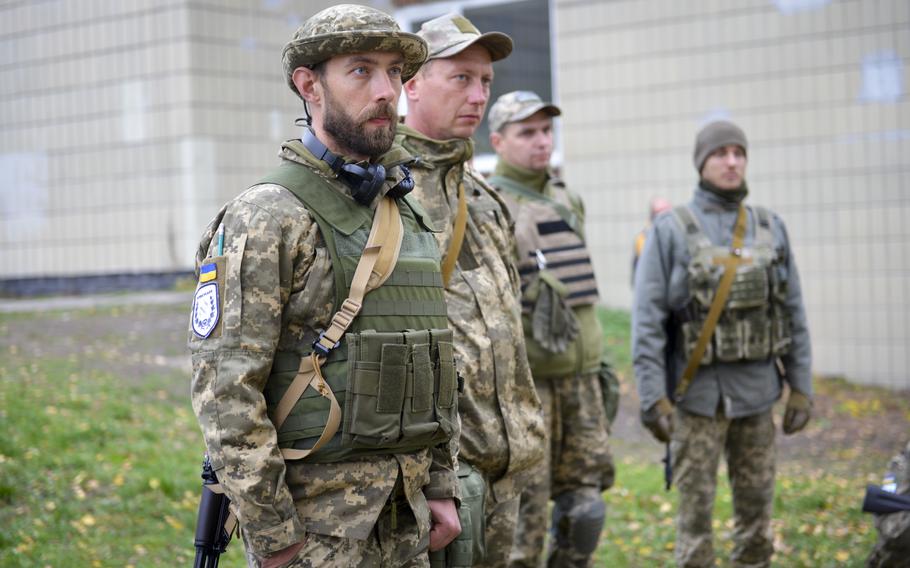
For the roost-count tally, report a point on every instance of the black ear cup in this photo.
(365, 182)
(403, 187)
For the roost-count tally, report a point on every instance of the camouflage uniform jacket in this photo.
(278, 294)
(501, 423)
(743, 388)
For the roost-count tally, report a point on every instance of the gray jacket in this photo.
(661, 287)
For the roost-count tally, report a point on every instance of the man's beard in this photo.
(351, 135)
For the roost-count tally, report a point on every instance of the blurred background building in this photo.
(124, 125)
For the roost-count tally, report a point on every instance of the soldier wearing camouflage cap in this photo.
(283, 295)
(718, 327)
(563, 335)
(502, 431)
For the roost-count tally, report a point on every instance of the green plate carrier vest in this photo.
(394, 372)
(754, 324)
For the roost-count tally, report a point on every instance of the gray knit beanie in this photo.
(717, 135)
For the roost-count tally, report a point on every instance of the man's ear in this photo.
(307, 83)
(410, 87)
(495, 140)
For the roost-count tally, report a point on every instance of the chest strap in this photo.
(730, 264)
(375, 266)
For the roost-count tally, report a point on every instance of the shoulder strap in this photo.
(763, 234)
(320, 198)
(511, 186)
(695, 237)
(461, 221)
(717, 305)
(375, 266)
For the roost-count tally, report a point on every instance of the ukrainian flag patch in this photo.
(208, 272)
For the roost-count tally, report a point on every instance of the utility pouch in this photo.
(401, 389)
(781, 334)
(756, 334)
(689, 337)
(727, 338)
(469, 547)
(609, 386)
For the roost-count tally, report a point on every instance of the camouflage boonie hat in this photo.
(517, 106)
(350, 28)
(453, 33)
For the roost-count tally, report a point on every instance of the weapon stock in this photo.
(882, 502)
(212, 537)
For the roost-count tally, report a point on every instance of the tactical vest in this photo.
(393, 374)
(755, 323)
(549, 235)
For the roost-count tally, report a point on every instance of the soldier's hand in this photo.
(445, 525)
(798, 412)
(281, 557)
(659, 420)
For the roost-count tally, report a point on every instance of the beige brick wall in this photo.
(820, 89)
(125, 125)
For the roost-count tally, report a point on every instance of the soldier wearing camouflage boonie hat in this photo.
(300, 501)
(452, 33)
(350, 28)
(517, 106)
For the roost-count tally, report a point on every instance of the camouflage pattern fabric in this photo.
(516, 106)
(395, 542)
(499, 532)
(579, 461)
(502, 431)
(277, 295)
(350, 28)
(892, 550)
(748, 445)
(452, 33)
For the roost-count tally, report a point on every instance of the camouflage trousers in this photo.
(748, 446)
(577, 468)
(393, 543)
(499, 532)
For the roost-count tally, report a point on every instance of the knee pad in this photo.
(578, 518)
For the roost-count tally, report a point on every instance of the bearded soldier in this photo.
(502, 433)
(323, 369)
(718, 325)
(563, 335)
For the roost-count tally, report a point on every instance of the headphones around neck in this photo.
(364, 182)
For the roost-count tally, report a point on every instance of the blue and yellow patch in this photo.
(208, 272)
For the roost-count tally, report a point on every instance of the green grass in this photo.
(95, 470)
(616, 325)
(101, 470)
(817, 521)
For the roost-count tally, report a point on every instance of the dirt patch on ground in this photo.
(855, 429)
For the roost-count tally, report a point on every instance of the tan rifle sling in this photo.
(375, 266)
(461, 221)
(730, 264)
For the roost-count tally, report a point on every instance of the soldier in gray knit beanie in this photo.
(723, 275)
(716, 135)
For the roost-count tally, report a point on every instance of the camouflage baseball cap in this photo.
(453, 33)
(350, 28)
(517, 106)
